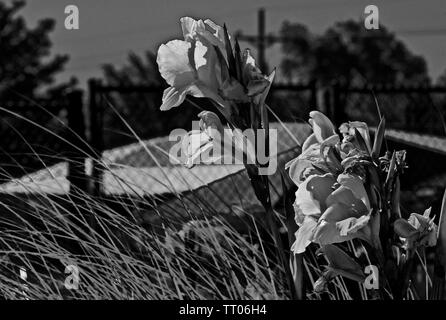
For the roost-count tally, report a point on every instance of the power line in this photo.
(146, 30)
(261, 41)
(423, 32)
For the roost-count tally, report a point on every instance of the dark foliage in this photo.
(26, 65)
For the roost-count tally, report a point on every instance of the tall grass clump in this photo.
(338, 234)
(130, 245)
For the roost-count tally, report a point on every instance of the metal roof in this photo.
(133, 169)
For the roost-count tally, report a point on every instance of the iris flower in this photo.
(418, 230)
(200, 66)
(330, 210)
(213, 143)
(205, 65)
(331, 203)
(311, 160)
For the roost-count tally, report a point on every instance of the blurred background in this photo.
(93, 78)
(109, 29)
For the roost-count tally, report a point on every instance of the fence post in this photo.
(95, 138)
(327, 103)
(338, 112)
(313, 95)
(76, 159)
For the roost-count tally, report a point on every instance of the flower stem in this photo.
(261, 189)
(406, 272)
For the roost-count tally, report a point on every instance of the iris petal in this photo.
(311, 140)
(363, 130)
(298, 168)
(322, 126)
(304, 235)
(355, 184)
(205, 60)
(345, 196)
(338, 212)
(328, 233)
(173, 63)
(189, 27)
(173, 97)
(312, 194)
(351, 225)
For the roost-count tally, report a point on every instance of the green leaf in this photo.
(379, 136)
(438, 290)
(391, 172)
(396, 194)
(238, 61)
(297, 272)
(260, 98)
(361, 142)
(296, 260)
(230, 54)
(441, 234)
(224, 66)
(333, 159)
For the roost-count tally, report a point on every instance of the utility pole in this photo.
(261, 43)
(260, 40)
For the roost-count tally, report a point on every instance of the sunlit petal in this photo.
(189, 27)
(304, 235)
(210, 120)
(322, 126)
(173, 97)
(194, 144)
(173, 63)
(205, 60)
(311, 140)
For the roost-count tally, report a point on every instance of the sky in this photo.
(109, 29)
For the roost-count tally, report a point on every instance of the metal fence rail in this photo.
(138, 107)
(412, 108)
(39, 134)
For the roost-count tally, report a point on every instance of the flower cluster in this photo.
(206, 65)
(418, 230)
(347, 191)
(332, 204)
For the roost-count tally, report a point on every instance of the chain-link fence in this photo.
(125, 115)
(37, 134)
(418, 109)
(415, 121)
